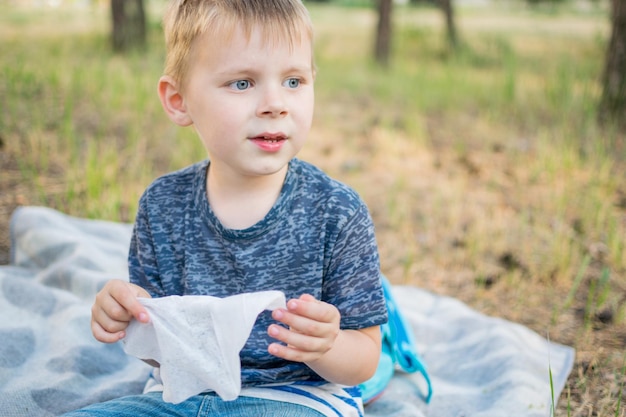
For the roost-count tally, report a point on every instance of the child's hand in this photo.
(313, 328)
(346, 357)
(115, 306)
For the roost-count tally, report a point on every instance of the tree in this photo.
(448, 11)
(383, 32)
(129, 24)
(613, 102)
(382, 49)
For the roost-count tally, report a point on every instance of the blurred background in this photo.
(488, 138)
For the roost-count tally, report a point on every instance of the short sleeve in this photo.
(142, 260)
(353, 279)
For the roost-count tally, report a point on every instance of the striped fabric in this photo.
(327, 398)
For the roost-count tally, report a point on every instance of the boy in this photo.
(253, 217)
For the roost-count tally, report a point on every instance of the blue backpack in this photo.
(398, 349)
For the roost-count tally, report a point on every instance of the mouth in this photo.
(270, 137)
(269, 142)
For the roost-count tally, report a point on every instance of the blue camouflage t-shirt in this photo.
(318, 238)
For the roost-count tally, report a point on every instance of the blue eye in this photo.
(292, 83)
(240, 85)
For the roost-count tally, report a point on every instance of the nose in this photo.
(272, 102)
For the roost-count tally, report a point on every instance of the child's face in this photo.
(251, 101)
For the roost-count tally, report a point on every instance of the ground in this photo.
(452, 211)
(9, 200)
(596, 378)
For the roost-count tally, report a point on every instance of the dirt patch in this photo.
(11, 196)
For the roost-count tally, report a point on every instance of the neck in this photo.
(240, 202)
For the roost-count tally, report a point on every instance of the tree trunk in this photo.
(613, 103)
(446, 6)
(383, 32)
(129, 24)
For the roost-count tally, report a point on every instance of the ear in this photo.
(173, 102)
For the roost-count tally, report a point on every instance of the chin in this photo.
(272, 168)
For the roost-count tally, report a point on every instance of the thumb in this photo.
(130, 301)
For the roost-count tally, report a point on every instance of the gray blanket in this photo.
(49, 362)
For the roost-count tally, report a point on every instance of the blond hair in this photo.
(185, 20)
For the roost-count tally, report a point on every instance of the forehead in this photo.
(225, 38)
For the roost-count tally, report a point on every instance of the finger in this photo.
(103, 335)
(291, 354)
(119, 300)
(110, 312)
(309, 298)
(298, 341)
(314, 309)
(110, 322)
(107, 323)
(106, 306)
(126, 296)
(301, 324)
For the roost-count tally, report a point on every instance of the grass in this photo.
(486, 174)
(620, 391)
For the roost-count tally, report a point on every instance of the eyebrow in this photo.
(298, 69)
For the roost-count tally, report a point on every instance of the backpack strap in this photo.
(398, 348)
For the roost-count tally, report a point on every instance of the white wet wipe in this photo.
(196, 340)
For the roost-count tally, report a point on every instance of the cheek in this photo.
(309, 118)
(218, 130)
(305, 108)
(218, 146)
(223, 118)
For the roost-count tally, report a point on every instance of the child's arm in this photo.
(115, 306)
(346, 357)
